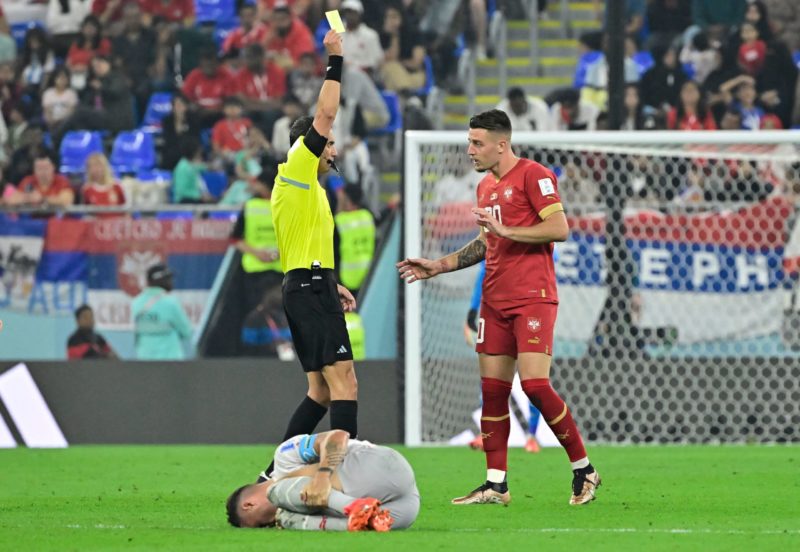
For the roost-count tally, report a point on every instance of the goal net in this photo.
(678, 320)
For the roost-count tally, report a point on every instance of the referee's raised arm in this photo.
(328, 103)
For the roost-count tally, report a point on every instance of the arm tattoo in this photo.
(471, 254)
(334, 455)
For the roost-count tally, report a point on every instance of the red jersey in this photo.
(298, 41)
(690, 122)
(94, 194)
(174, 11)
(207, 92)
(80, 57)
(267, 85)
(30, 183)
(239, 38)
(515, 271)
(230, 134)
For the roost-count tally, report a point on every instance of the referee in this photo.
(314, 302)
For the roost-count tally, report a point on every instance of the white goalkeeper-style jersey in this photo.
(299, 451)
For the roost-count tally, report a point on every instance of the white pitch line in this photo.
(677, 531)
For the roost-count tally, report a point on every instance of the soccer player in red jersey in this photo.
(521, 216)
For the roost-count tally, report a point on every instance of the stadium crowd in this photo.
(199, 95)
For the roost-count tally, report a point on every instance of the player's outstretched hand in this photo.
(347, 299)
(333, 43)
(412, 270)
(487, 221)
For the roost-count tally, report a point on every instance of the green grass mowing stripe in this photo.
(659, 497)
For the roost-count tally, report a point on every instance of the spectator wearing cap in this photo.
(85, 343)
(525, 112)
(288, 37)
(159, 321)
(107, 102)
(178, 12)
(45, 187)
(361, 44)
(250, 30)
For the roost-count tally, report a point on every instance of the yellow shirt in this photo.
(301, 212)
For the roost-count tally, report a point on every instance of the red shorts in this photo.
(513, 328)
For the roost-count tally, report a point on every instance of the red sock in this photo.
(495, 422)
(555, 412)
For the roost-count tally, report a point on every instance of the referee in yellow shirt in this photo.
(314, 302)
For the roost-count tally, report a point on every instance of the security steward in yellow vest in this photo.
(255, 237)
(356, 228)
(315, 304)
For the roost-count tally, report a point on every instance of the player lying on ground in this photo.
(520, 215)
(329, 482)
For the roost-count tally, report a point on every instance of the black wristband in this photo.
(334, 71)
(325, 469)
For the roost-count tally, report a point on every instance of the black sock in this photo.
(304, 421)
(344, 415)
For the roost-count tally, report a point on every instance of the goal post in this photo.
(712, 241)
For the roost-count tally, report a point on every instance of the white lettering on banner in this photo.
(127, 229)
(704, 264)
(112, 308)
(655, 263)
(28, 409)
(599, 249)
(746, 269)
(56, 297)
(178, 230)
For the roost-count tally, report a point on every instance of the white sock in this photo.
(582, 463)
(495, 476)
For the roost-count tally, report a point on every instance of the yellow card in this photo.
(335, 20)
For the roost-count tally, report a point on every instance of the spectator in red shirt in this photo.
(206, 86)
(288, 37)
(251, 30)
(260, 85)
(229, 135)
(88, 44)
(173, 11)
(100, 187)
(691, 112)
(44, 187)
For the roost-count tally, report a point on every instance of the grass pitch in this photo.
(652, 498)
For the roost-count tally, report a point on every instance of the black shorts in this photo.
(316, 319)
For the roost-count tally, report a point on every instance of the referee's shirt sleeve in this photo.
(300, 170)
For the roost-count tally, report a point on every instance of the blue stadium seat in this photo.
(158, 107)
(215, 10)
(19, 30)
(584, 62)
(216, 182)
(76, 146)
(133, 151)
(395, 123)
(644, 61)
(153, 175)
(796, 57)
(173, 215)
